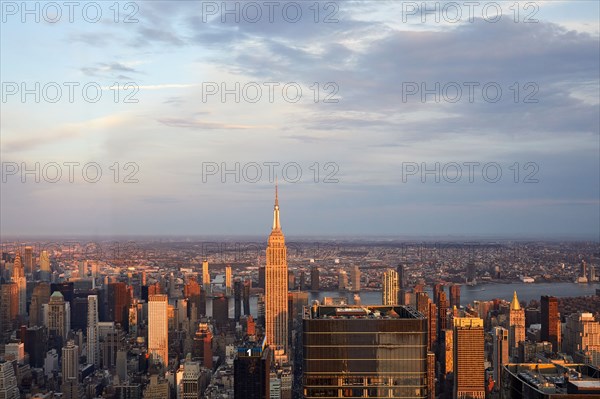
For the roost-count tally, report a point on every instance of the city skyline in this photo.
(437, 163)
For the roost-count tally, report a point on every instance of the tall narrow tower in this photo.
(276, 274)
(389, 294)
(28, 261)
(93, 349)
(19, 278)
(205, 276)
(228, 288)
(516, 322)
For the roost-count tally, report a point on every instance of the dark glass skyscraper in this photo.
(400, 271)
(374, 351)
(251, 368)
(237, 298)
(314, 278)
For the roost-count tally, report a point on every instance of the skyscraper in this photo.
(246, 296)
(426, 306)
(205, 276)
(582, 338)
(314, 278)
(276, 312)
(291, 280)
(59, 316)
(471, 271)
(70, 362)
(355, 277)
(158, 330)
(119, 299)
(342, 280)
(93, 346)
(28, 260)
(228, 287)
(550, 321)
(237, 298)
(9, 307)
(400, 271)
(19, 279)
(454, 295)
(516, 323)
(500, 355)
(39, 297)
(469, 358)
(437, 290)
(83, 266)
(202, 345)
(390, 287)
(441, 316)
(251, 368)
(364, 351)
(45, 262)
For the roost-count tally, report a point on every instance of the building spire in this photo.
(276, 224)
(514, 305)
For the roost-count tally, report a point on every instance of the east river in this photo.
(468, 294)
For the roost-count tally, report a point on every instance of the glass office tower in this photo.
(364, 352)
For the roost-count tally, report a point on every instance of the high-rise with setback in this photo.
(516, 322)
(276, 293)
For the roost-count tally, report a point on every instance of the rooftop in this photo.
(361, 312)
(553, 378)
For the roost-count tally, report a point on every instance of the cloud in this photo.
(113, 69)
(202, 125)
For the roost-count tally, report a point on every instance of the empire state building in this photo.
(276, 286)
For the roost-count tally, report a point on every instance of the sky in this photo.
(376, 117)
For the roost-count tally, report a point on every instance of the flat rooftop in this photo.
(361, 312)
(554, 378)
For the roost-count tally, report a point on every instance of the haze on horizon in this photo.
(362, 146)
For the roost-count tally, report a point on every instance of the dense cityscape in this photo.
(242, 199)
(185, 318)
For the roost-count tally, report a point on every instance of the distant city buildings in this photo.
(106, 327)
